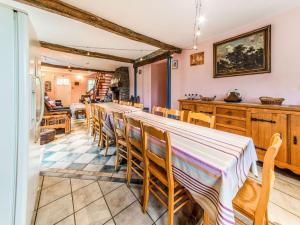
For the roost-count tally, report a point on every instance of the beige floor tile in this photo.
(96, 213)
(67, 221)
(133, 215)
(280, 216)
(119, 199)
(55, 211)
(179, 218)
(86, 195)
(48, 181)
(94, 168)
(107, 186)
(54, 192)
(79, 183)
(155, 208)
(137, 190)
(111, 222)
(286, 202)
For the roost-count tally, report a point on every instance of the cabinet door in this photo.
(263, 126)
(295, 140)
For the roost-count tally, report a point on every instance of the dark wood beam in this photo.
(67, 10)
(77, 51)
(75, 68)
(152, 57)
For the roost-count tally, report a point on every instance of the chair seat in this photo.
(246, 200)
(160, 174)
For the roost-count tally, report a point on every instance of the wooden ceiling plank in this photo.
(82, 52)
(67, 10)
(152, 57)
(75, 68)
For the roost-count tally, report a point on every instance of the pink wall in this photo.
(76, 91)
(283, 81)
(159, 84)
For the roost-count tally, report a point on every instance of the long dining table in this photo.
(211, 164)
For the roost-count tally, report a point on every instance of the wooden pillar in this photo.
(169, 60)
(135, 84)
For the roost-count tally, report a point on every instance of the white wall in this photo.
(283, 81)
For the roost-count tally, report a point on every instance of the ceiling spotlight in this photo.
(198, 33)
(141, 58)
(88, 53)
(195, 47)
(69, 66)
(201, 19)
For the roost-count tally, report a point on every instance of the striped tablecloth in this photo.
(211, 164)
(114, 107)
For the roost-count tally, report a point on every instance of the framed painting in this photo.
(197, 59)
(175, 64)
(246, 54)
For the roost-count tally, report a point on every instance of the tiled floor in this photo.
(81, 186)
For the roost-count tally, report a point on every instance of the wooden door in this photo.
(263, 125)
(295, 140)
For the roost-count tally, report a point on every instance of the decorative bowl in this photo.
(265, 100)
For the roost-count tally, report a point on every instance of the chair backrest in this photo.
(87, 108)
(115, 101)
(268, 177)
(119, 124)
(193, 117)
(174, 113)
(134, 132)
(138, 105)
(150, 156)
(159, 110)
(102, 115)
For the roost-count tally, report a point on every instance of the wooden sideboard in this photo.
(259, 122)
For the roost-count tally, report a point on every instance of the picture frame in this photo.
(48, 86)
(254, 48)
(197, 59)
(175, 64)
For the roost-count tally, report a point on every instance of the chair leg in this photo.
(146, 192)
(117, 156)
(205, 218)
(171, 206)
(129, 165)
(106, 144)
(267, 218)
(101, 139)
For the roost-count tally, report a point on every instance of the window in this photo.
(62, 81)
(90, 84)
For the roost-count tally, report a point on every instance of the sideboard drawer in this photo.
(231, 122)
(242, 113)
(188, 107)
(230, 130)
(205, 108)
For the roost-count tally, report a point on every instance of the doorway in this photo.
(63, 91)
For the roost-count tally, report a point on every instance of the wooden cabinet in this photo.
(263, 125)
(295, 140)
(259, 122)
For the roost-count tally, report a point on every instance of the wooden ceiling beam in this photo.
(75, 68)
(67, 10)
(82, 52)
(152, 57)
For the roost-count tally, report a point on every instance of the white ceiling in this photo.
(170, 21)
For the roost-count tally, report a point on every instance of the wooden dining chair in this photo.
(158, 178)
(104, 137)
(134, 148)
(174, 113)
(252, 199)
(128, 103)
(88, 114)
(139, 105)
(120, 135)
(194, 117)
(115, 101)
(156, 110)
(95, 122)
